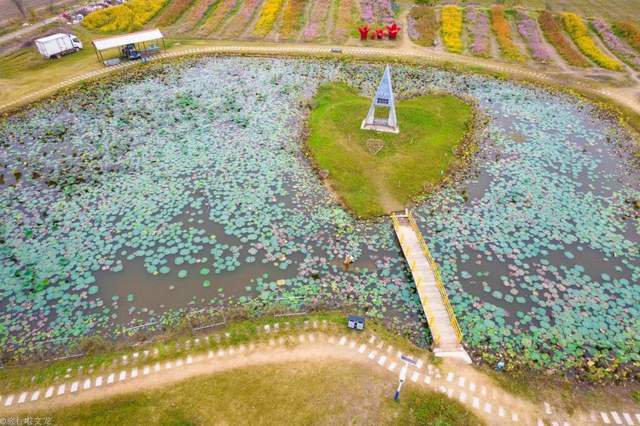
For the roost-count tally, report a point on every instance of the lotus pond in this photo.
(184, 187)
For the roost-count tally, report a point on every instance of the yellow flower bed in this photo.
(579, 32)
(128, 16)
(267, 18)
(452, 28)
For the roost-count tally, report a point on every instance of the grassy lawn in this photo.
(369, 183)
(302, 393)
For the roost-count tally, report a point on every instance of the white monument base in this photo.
(379, 127)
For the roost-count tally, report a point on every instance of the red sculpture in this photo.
(364, 32)
(379, 33)
(393, 31)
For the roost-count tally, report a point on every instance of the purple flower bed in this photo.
(478, 24)
(613, 43)
(373, 11)
(317, 19)
(528, 29)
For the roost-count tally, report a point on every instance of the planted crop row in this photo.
(267, 17)
(617, 46)
(344, 19)
(554, 35)
(239, 22)
(579, 32)
(377, 11)
(423, 26)
(478, 25)
(129, 16)
(222, 10)
(315, 26)
(630, 31)
(502, 30)
(452, 28)
(194, 15)
(173, 11)
(528, 29)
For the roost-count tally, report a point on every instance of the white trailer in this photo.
(56, 45)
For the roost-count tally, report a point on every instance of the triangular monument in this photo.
(383, 99)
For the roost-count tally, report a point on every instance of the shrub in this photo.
(222, 10)
(579, 32)
(630, 31)
(128, 16)
(553, 34)
(423, 26)
(452, 28)
(173, 12)
(267, 18)
(502, 30)
(528, 29)
(614, 44)
(478, 24)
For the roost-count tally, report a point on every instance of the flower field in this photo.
(576, 28)
(221, 10)
(267, 18)
(423, 26)
(502, 30)
(555, 36)
(345, 20)
(377, 11)
(528, 29)
(452, 28)
(173, 11)
(630, 31)
(238, 23)
(316, 24)
(194, 15)
(292, 18)
(180, 188)
(477, 23)
(130, 16)
(615, 44)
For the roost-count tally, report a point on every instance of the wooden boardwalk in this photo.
(447, 337)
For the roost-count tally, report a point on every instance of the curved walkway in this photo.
(309, 343)
(627, 96)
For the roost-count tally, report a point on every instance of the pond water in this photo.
(185, 187)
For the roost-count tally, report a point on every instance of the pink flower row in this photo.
(478, 25)
(377, 11)
(316, 20)
(528, 29)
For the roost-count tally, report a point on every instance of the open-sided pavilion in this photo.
(139, 39)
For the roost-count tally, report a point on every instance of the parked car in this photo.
(59, 44)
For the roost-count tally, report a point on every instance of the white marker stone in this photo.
(616, 417)
(74, 387)
(450, 393)
(343, 340)
(500, 411)
(189, 359)
(179, 361)
(414, 376)
(472, 387)
(352, 344)
(22, 398)
(628, 418)
(450, 377)
(382, 360)
(362, 348)
(605, 418)
(210, 354)
(475, 402)
(427, 380)
(87, 384)
(420, 363)
(134, 373)
(168, 365)
(98, 381)
(35, 396)
(111, 378)
(61, 389)
(8, 401)
(49, 392)
(463, 397)
(123, 375)
(461, 382)
(514, 417)
(372, 354)
(547, 408)
(157, 367)
(483, 390)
